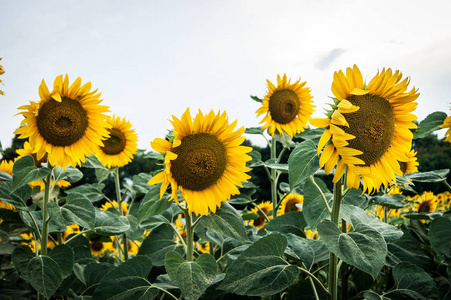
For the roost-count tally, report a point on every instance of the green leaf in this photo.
(54, 225)
(303, 162)
(241, 199)
(70, 175)
(370, 295)
(261, 270)
(390, 201)
(356, 198)
(422, 215)
(279, 167)
(91, 191)
(94, 273)
(291, 222)
(254, 130)
(101, 171)
(256, 99)
(431, 176)
(134, 232)
(364, 248)
(24, 171)
(64, 257)
(139, 184)
(79, 210)
(5, 176)
(439, 235)
(226, 222)
(355, 215)
(18, 198)
(110, 224)
(430, 124)
(311, 134)
(410, 277)
(127, 281)
(314, 208)
(307, 250)
(192, 277)
(152, 205)
(158, 243)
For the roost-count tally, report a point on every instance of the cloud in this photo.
(328, 59)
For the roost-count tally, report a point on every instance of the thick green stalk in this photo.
(335, 217)
(119, 204)
(273, 180)
(45, 217)
(344, 268)
(189, 237)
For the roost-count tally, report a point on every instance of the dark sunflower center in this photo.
(284, 106)
(291, 206)
(201, 161)
(97, 246)
(403, 166)
(424, 207)
(62, 123)
(115, 143)
(261, 218)
(373, 125)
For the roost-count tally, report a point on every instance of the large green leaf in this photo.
(314, 208)
(127, 281)
(440, 237)
(54, 225)
(110, 224)
(390, 201)
(139, 184)
(355, 215)
(64, 257)
(25, 171)
(100, 170)
(192, 277)
(413, 278)
(91, 191)
(292, 222)
(364, 248)
(307, 250)
(18, 198)
(303, 162)
(158, 243)
(152, 205)
(356, 198)
(430, 124)
(70, 174)
(431, 176)
(79, 210)
(226, 222)
(261, 270)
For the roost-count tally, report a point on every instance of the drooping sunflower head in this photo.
(368, 128)
(67, 124)
(287, 107)
(204, 160)
(264, 208)
(291, 203)
(119, 148)
(447, 124)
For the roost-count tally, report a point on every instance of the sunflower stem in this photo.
(45, 217)
(273, 180)
(189, 237)
(335, 218)
(117, 184)
(314, 278)
(312, 180)
(344, 268)
(447, 184)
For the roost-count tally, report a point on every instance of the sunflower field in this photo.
(332, 207)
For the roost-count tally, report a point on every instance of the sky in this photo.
(153, 59)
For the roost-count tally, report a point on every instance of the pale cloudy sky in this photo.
(153, 59)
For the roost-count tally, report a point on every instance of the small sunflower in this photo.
(426, 203)
(67, 123)
(311, 235)
(28, 150)
(266, 207)
(108, 205)
(7, 167)
(98, 247)
(291, 203)
(71, 229)
(205, 161)
(368, 130)
(203, 247)
(288, 107)
(2, 71)
(411, 165)
(447, 124)
(119, 148)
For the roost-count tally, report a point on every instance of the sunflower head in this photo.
(67, 124)
(204, 160)
(368, 128)
(426, 203)
(2, 71)
(411, 165)
(108, 205)
(447, 124)
(118, 149)
(266, 208)
(287, 107)
(99, 247)
(291, 203)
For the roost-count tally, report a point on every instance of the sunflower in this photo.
(311, 235)
(71, 229)
(28, 150)
(411, 165)
(1, 73)
(266, 208)
(288, 107)
(119, 148)
(447, 124)
(108, 205)
(204, 160)
(203, 247)
(368, 130)
(67, 123)
(7, 167)
(426, 203)
(98, 247)
(291, 203)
